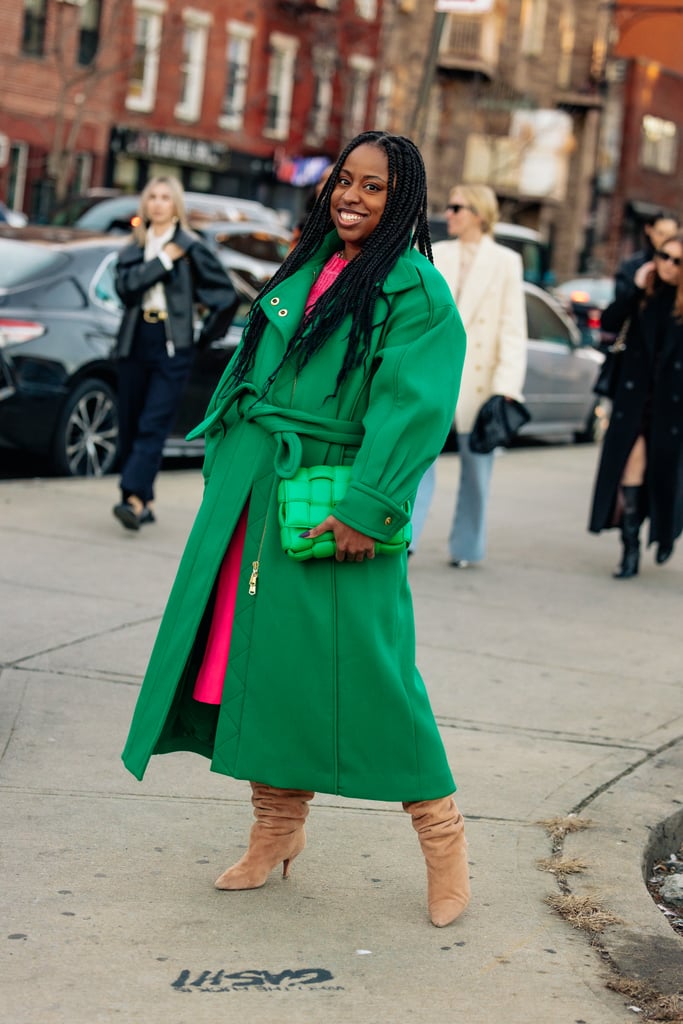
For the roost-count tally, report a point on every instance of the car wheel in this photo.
(596, 424)
(86, 439)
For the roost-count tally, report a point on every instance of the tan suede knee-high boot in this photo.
(278, 835)
(441, 830)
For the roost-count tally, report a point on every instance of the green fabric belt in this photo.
(285, 425)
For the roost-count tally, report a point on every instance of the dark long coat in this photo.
(321, 690)
(650, 393)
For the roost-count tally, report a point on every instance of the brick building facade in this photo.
(49, 93)
(283, 82)
(248, 98)
(640, 168)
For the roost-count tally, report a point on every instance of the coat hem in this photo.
(390, 790)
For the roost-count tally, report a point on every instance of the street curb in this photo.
(628, 834)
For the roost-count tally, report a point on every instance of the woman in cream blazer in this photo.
(486, 281)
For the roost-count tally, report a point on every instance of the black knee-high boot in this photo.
(630, 530)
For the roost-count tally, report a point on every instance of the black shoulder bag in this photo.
(608, 375)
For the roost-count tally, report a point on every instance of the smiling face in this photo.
(665, 261)
(359, 197)
(160, 208)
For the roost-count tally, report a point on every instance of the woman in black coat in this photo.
(160, 276)
(641, 467)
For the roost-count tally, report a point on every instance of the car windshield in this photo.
(72, 210)
(101, 216)
(260, 245)
(22, 264)
(597, 290)
(530, 252)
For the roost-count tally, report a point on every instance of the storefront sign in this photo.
(176, 149)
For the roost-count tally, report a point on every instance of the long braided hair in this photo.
(403, 223)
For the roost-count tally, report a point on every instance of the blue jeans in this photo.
(467, 537)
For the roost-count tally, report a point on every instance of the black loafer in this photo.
(127, 515)
(147, 516)
(663, 554)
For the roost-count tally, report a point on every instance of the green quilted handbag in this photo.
(308, 498)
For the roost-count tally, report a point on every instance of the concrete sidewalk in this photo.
(556, 688)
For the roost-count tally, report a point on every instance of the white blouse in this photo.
(155, 297)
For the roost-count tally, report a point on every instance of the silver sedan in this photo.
(561, 372)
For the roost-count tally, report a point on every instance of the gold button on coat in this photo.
(387, 521)
(282, 312)
(275, 301)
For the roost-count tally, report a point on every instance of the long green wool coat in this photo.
(321, 691)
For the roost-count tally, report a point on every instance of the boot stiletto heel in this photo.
(278, 836)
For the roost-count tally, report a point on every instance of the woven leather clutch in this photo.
(308, 498)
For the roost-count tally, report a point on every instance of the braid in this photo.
(403, 223)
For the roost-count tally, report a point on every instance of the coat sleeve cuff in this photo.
(370, 512)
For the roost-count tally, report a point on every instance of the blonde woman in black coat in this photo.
(641, 467)
(164, 271)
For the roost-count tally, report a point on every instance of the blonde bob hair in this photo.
(483, 201)
(176, 190)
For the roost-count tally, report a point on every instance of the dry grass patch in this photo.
(585, 912)
(655, 1006)
(562, 866)
(558, 828)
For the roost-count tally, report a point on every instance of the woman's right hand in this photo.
(642, 273)
(173, 251)
(352, 546)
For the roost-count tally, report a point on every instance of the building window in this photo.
(367, 9)
(567, 27)
(385, 92)
(237, 59)
(197, 24)
(534, 13)
(142, 84)
(16, 176)
(82, 176)
(603, 28)
(658, 144)
(283, 51)
(319, 118)
(360, 69)
(33, 38)
(89, 35)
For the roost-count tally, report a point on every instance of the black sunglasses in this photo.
(457, 207)
(661, 255)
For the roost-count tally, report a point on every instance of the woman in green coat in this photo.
(300, 675)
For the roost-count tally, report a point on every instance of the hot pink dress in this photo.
(208, 687)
